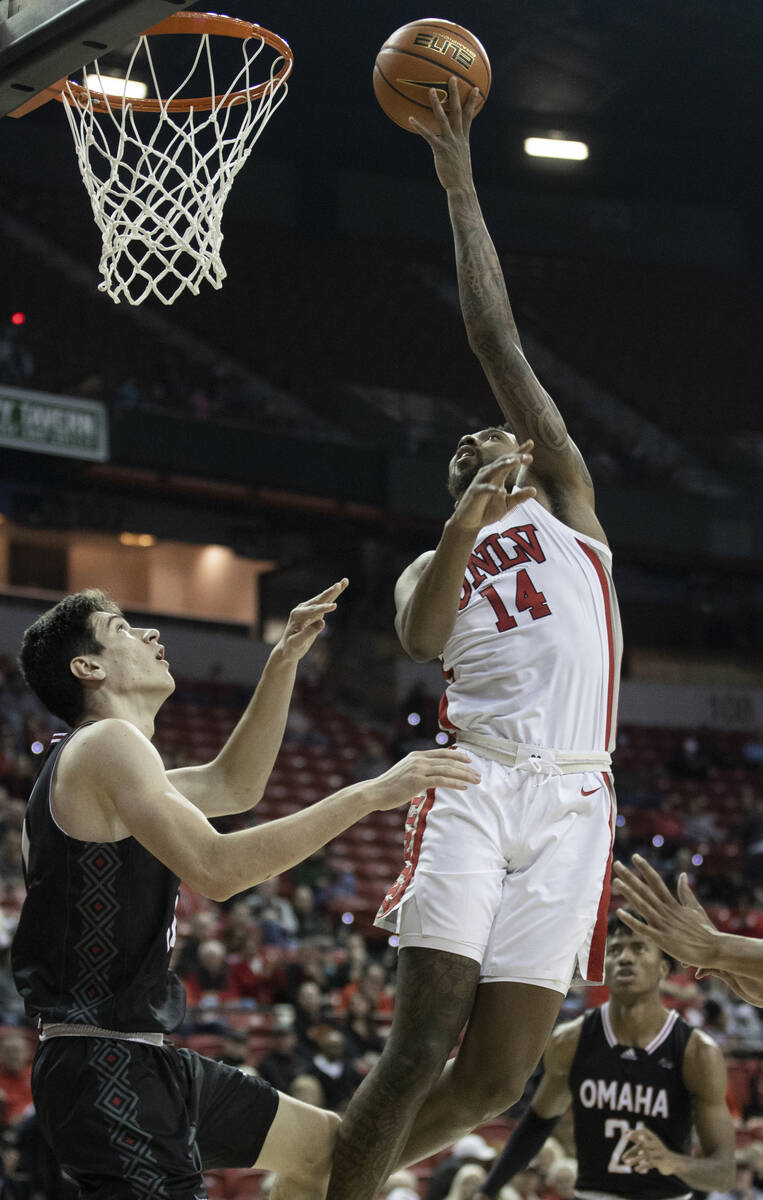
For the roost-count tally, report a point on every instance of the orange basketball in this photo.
(424, 54)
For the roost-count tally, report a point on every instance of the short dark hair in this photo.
(52, 641)
(618, 928)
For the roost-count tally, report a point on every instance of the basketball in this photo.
(424, 54)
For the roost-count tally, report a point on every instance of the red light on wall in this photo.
(18, 318)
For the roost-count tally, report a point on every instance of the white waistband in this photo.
(61, 1029)
(540, 760)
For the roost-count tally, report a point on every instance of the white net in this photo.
(158, 181)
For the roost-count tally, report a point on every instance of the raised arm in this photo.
(123, 772)
(551, 1100)
(680, 926)
(490, 326)
(712, 1170)
(235, 780)
(428, 592)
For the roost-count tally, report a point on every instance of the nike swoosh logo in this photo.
(590, 791)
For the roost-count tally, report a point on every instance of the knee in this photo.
(410, 1066)
(489, 1093)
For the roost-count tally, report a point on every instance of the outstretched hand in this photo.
(486, 499)
(450, 141)
(678, 924)
(307, 620)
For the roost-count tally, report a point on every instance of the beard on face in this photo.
(460, 480)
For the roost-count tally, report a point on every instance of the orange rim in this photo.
(78, 96)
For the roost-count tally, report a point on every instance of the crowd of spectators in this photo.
(278, 983)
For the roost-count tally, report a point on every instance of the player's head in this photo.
(475, 450)
(633, 963)
(84, 645)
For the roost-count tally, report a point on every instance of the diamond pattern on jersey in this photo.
(117, 1100)
(95, 949)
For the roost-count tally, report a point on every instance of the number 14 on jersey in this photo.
(527, 599)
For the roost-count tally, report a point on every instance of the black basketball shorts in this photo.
(127, 1119)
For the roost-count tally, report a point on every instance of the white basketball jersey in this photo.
(534, 655)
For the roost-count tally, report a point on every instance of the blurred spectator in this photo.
(311, 922)
(528, 1183)
(550, 1152)
(239, 924)
(467, 1182)
(560, 1179)
(283, 1062)
(308, 966)
(333, 1067)
(315, 873)
(360, 1029)
(249, 972)
(700, 824)
(235, 1051)
(373, 985)
(398, 1184)
(204, 925)
(312, 1014)
(15, 1076)
(308, 1089)
(209, 984)
(356, 958)
(469, 1150)
(273, 913)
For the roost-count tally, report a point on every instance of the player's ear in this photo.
(86, 669)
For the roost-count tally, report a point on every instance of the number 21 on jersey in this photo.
(614, 1128)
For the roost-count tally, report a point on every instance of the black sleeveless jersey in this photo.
(618, 1088)
(97, 927)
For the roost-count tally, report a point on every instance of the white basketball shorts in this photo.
(513, 872)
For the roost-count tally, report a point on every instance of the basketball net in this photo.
(158, 179)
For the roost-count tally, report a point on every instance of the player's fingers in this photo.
(632, 922)
(640, 894)
(455, 107)
(652, 878)
(438, 110)
(471, 105)
(330, 593)
(628, 879)
(422, 130)
(686, 895)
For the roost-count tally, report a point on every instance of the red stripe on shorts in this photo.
(595, 969)
(602, 577)
(414, 833)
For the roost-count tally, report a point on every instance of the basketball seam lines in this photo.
(433, 84)
(444, 29)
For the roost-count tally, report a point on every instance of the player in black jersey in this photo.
(108, 835)
(638, 1078)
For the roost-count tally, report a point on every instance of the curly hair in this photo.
(52, 641)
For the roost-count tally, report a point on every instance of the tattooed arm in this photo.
(558, 465)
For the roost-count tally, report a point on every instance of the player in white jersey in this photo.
(505, 887)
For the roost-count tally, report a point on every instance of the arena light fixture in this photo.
(556, 147)
(114, 85)
(137, 539)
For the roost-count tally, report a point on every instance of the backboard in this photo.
(42, 41)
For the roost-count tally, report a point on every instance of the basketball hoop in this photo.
(158, 187)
